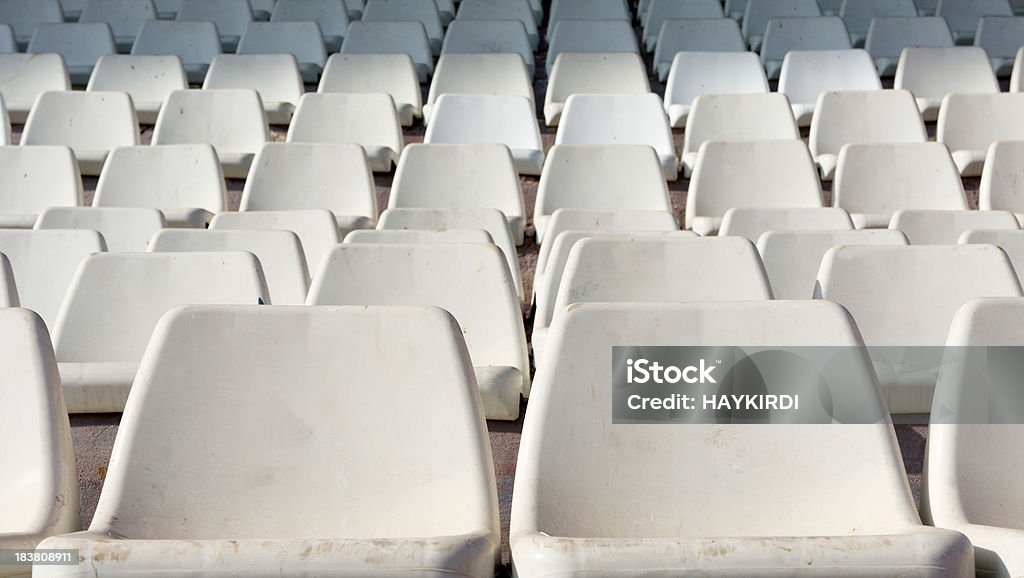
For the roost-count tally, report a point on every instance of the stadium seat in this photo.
(475, 119)
(471, 281)
(286, 176)
(8, 287)
(44, 262)
(81, 45)
(752, 222)
(91, 123)
(970, 123)
(230, 16)
(963, 15)
(911, 305)
(275, 77)
(887, 37)
(393, 74)
(792, 257)
(609, 177)
(862, 117)
(331, 15)
(590, 36)
(858, 15)
(874, 181)
(420, 237)
(784, 35)
(195, 43)
(183, 181)
(567, 516)
(479, 74)
(426, 13)
(661, 11)
(1010, 240)
(25, 15)
(23, 77)
(754, 174)
(317, 229)
(369, 120)
(939, 227)
(675, 36)
(34, 178)
(442, 476)
(1001, 37)
(391, 38)
(460, 176)
(974, 439)
(732, 117)
(489, 37)
(147, 79)
(1001, 180)
(279, 252)
(807, 74)
(124, 17)
(300, 39)
(566, 10)
(124, 229)
(697, 73)
(932, 73)
(592, 73)
(499, 10)
(606, 119)
(759, 12)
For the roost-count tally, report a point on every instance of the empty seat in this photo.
(8, 287)
(858, 15)
(391, 38)
(330, 176)
(34, 178)
(147, 79)
(300, 39)
(81, 45)
(715, 35)
(887, 37)
(195, 43)
(963, 15)
(736, 117)
(279, 252)
(425, 13)
(44, 262)
(393, 74)
(600, 178)
(592, 73)
(759, 12)
(471, 281)
(317, 229)
(911, 305)
(124, 17)
(697, 73)
(25, 15)
(792, 257)
(590, 36)
(938, 227)
(486, 74)
(442, 475)
(566, 10)
(1001, 182)
(1001, 37)
(1010, 240)
(807, 74)
(91, 123)
(970, 123)
(498, 10)
(862, 117)
(662, 11)
(23, 77)
(230, 16)
(788, 34)
(331, 15)
(489, 37)
(932, 73)
(230, 120)
(275, 77)
(874, 181)
(420, 237)
(752, 222)
(369, 120)
(123, 229)
(183, 181)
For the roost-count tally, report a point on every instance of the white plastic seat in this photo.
(147, 79)
(471, 281)
(715, 35)
(806, 74)
(8, 286)
(184, 182)
(317, 229)
(369, 120)
(963, 15)
(25, 15)
(124, 17)
(442, 476)
(732, 117)
(482, 119)
(751, 223)
(426, 13)
(600, 178)
(279, 252)
(792, 257)
(590, 36)
(592, 73)
(697, 73)
(420, 237)
(391, 38)
(275, 77)
(34, 178)
(566, 10)
(1009, 240)
(195, 43)
(286, 176)
(887, 37)
(479, 74)
(331, 15)
(91, 123)
(393, 74)
(874, 181)
(230, 16)
(299, 39)
(460, 176)
(23, 77)
(230, 120)
(862, 117)
(498, 10)
(858, 14)
(932, 73)
(784, 35)
(489, 37)
(44, 263)
(749, 174)
(970, 123)
(1000, 187)
(911, 305)
(759, 12)
(123, 229)
(937, 227)
(661, 11)
(81, 45)
(1001, 37)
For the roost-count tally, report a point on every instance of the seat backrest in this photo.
(34, 178)
(368, 119)
(806, 74)
(316, 228)
(963, 15)
(23, 77)
(751, 223)
(864, 117)
(407, 10)
(496, 10)
(586, 10)
(393, 74)
(888, 36)
(697, 73)
(231, 120)
(1000, 36)
(469, 36)
(611, 221)
(124, 16)
(738, 117)
(1010, 240)
(230, 16)
(857, 14)
(82, 120)
(80, 43)
(391, 38)
(193, 42)
(8, 286)
(330, 15)
(487, 74)
(637, 119)
(25, 15)
(975, 121)
(275, 77)
(303, 40)
(705, 35)
(806, 33)
(146, 78)
(1002, 177)
(933, 72)
(123, 228)
(759, 12)
(420, 237)
(661, 11)
(162, 177)
(472, 119)
(944, 227)
(592, 73)
(590, 36)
